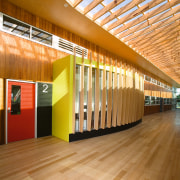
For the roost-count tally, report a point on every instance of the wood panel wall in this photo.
(155, 90)
(167, 107)
(151, 109)
(25, 60)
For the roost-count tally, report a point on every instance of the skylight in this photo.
(155, 7)
(117, 27)
(144, 3)
(163, 20)
(84, 4)
(106, 2)
(110, 22)
(135, 20)
(159, 14)
(103, 17)
(95, 10)
(143, 29)
(176, 6)
(128, 12)
(140, 15)
(124, 3)
(138, 24)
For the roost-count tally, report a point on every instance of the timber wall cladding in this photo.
(24, 59)
(154, 90)
(157, 91)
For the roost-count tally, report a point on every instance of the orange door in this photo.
(21, 111)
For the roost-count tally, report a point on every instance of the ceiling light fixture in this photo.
(65, 5)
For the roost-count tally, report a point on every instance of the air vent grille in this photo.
(68, 47)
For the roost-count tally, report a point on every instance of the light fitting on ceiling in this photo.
(65, 5)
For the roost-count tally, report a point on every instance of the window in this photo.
(86, 80)
(147, 100)
(170, 100)
(154, 81)
(16, 27)
(153, 100)
(77, 98)
(41, 36)
(93, 96)
(100, 94)
(15, 100)
(22, 29)
(157, 100)
(147, 78)
(107, 87)
(112, 96)
(118, 86)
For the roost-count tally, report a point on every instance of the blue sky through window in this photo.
(124, 3)
(128, 12)
(95, 10)
(84, 3)
(106, 2)
(155, 7)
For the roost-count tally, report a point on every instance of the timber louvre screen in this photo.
(113, 95)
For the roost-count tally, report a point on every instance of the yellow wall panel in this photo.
(62, 98)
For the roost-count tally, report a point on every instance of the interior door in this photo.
(21, 111)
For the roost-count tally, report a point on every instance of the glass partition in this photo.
(100, 94)
(147, 100)
(93, 96)
(112, 96)
(107, 87)
(153, 100)
(157, 100)
(86, 80)
(170, 100)
(118, 86)
(77, 98)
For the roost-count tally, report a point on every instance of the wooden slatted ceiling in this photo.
(150, 27)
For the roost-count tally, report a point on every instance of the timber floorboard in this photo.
(148, 151)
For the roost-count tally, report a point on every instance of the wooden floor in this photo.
(149, 151)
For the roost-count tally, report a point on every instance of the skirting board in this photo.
(101, 132)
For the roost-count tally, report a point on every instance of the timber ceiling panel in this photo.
(150, 27)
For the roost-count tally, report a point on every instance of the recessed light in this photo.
(65, 5)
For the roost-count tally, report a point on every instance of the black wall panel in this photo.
(44, 109)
